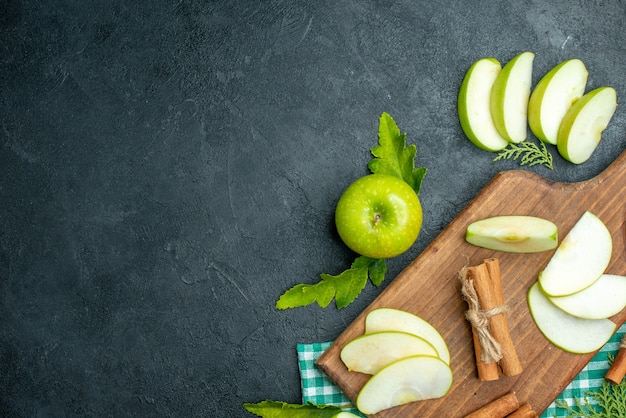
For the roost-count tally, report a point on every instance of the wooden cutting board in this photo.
(429, 287)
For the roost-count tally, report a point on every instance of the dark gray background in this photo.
(169, 168)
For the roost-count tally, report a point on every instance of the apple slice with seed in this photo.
(407, 380)
(603, 299)
(553, 96)
(513, 233)
(572, 334)
(580, 259)
(583, 124)
(510, 95)
(390, 319)
(371, 352)
(473, 105)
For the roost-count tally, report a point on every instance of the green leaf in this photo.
(276, 409)
(392, 156)
(344, 287)
(610, 402)
(528, 152)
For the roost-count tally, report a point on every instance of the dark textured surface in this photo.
(169, 168)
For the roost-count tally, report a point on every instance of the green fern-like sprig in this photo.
(528, 153)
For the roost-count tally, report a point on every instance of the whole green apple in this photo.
(379, 216)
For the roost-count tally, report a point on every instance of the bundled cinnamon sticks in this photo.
(481, 287)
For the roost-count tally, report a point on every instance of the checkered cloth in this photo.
(318, 389)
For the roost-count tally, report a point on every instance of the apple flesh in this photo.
(369, 353)
(407, 380)
(379, 216)
(474, 105)
(509, 98)
(345, 414)
(514, 233)
(553, 96)
(583, 124)
(390, 319)
(603, 299)
(580, 259)
(570, 333)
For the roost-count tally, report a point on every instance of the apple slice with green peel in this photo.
(473, 105)
(407, 380)
(569, 333)
(371, 352)
(553, 96)
(509, 98)
(580, 259)
(603, 299)
(345, 414)
(583, 124)
(513, 233)
(390, 319)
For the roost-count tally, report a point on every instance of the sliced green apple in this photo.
(473, 105)
(583, 124)
(407, 380)
(513, 233)
(603, 299)
(371, 352)
(390, 319)
(580, 259)
(345, 414)
(510, 95)
(553, 96)
(572, 334)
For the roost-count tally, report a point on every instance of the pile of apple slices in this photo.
(573, 297)
(407, 357)
(495, 106)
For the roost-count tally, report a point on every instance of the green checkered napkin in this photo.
(319, 390)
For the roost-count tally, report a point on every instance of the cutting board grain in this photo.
(429, 288)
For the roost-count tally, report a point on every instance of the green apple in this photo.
(390, 319)
(603, 299)
(345, 414)
(583, 124)
(474, 105)
(580, 259)
(510, 95)
(572, 334)
(407, 380)
(379, 216)
(371, 352)
(553, 96)
(513, 233)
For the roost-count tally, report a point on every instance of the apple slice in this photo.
(513, 233)
(389, 319)
(572, 334)
(603, 299)
(583, 124)
(580, 259)
(553, 96)
(371, 352)
(345, 414)
(407, 380)
(473, 105)
(510, 95)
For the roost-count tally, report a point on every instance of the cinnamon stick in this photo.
(524, 411)
(486, 364)
(491, 297)
(498, 408)
(617, 371)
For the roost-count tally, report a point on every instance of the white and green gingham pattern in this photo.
(319, 390)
